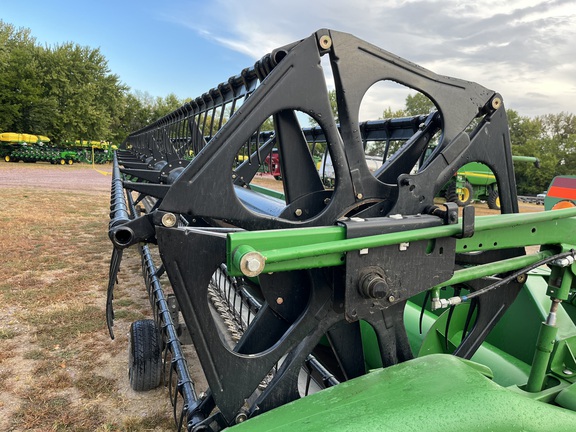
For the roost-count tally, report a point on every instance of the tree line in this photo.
(67, 92)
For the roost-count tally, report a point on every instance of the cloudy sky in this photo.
(524, 49)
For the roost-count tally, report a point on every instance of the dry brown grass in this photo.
(59, 370)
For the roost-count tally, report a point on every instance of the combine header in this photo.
(367, 305)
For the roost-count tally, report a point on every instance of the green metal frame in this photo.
(514, 374)
(284, 250)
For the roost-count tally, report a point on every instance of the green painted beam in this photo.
(302, 248)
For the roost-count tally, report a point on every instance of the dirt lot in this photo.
(59, 370)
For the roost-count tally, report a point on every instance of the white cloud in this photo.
(523, 49)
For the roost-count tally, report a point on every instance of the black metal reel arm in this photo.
(205, 190)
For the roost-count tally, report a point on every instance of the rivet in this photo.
(241, 417)
(496, 102)
(325, 42)
(169, 220)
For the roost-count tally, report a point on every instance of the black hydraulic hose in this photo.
(520, 272)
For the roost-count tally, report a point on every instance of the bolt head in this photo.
(252, 264)
(325, 42)
(169, 220)
(496, 102)
(241, 417)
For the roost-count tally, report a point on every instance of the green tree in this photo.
(83, 96)
(165, 105)
(552, 139)
(66, 92)
(417, 104)
(20, 94)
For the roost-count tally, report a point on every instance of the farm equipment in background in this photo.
(93, 152)
(561, 193)
(362, 306)
(37, 148)
(378, 138)
(476, 182)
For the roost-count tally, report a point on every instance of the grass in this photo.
(58, 363)
(6, 333)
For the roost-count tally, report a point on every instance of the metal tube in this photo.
(118, 207)
(339, 247)
(544, 347)
(493, 268)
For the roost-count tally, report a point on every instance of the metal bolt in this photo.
(522, 278)
(391, 299)
(279, 300)
(241, 417)
(496, 102)
(298, 212)
(373, 286)
(359, 196)
(326, 201)
(325, 42)
(252, 264)
(169, 220)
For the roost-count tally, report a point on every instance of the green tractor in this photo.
(476, 182)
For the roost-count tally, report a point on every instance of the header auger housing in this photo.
(286, 293)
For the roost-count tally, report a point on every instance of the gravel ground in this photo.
(56, 177)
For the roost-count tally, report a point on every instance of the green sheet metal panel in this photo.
(433, 393)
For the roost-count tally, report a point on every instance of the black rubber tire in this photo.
(452, 195)
(493, 200)
(145, 356)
